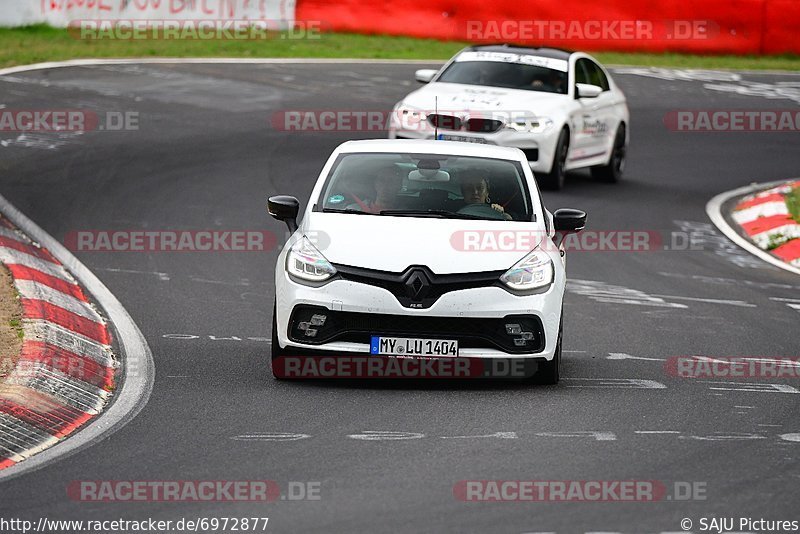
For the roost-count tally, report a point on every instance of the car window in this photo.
(581, 74)
(593, 74)
(510, 71)
(455, 187)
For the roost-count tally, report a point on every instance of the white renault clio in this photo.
(423, 249)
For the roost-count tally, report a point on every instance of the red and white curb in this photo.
(65, 372)
(763, 216)
(67, 376)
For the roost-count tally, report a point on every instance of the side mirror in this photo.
(569, 220)
(425, 75)
(284, 208)
(585, 90)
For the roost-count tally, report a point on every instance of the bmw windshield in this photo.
(510, 71)
(427, 185)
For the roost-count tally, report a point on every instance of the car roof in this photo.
(553, 53)
(429, 146)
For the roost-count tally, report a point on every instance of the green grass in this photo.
(793, 203)
(16, 324)
(34, 44)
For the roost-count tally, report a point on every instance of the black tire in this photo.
(554, 180)
(549, 373)
(612, 172)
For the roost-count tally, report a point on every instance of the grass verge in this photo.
(39, 43)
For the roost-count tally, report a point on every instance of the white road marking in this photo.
(385, 435)
(656, 432)
(164, 277)
(596, 435)
(501, 435)
(745, 407)
(734, 436)
(271, 436)
(615, 383)
(740, 303)
(612, 294)
(624, 356)
(751, 387)
(795, 437)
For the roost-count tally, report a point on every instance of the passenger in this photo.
(388, 183)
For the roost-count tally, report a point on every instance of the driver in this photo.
(475, 189)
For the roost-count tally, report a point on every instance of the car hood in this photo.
(459, 97)
(393, 243)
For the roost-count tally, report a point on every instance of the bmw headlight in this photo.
(305, 262)
(531, 125)
(532, 272)
(409, 117)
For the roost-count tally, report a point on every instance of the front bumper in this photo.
(476, 317)
(539, 148)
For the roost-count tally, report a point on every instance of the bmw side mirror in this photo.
(569, 220)
(585, 90)
(425, 75)
(284, 208)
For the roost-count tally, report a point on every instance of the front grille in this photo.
(483, 125)
(445, 122)
(475, 124)
(514, 334)
(418, 287)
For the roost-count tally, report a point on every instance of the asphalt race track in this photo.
(206, 156)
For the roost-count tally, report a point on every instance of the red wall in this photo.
(711, 26)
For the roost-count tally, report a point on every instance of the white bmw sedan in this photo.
(561, 108)
(423, 249)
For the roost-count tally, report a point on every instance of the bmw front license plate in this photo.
(462, 138)
(403, 346)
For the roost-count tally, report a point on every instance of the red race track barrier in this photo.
(708, 26)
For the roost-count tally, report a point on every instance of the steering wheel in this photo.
(482, 210)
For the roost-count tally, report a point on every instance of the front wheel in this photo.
(612, 172)
(549, 373)
(554, 180)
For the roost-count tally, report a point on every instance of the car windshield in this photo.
(427, 185)
(511, 71)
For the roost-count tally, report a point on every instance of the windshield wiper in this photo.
(346, 210)
(431, 213)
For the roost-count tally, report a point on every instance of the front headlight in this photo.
(531, 125)
(409, 118)
(532, 272)
(304, 261)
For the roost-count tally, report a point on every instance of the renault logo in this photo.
(417, 285)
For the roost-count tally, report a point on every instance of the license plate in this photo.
(404, 346)
(462, 138)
